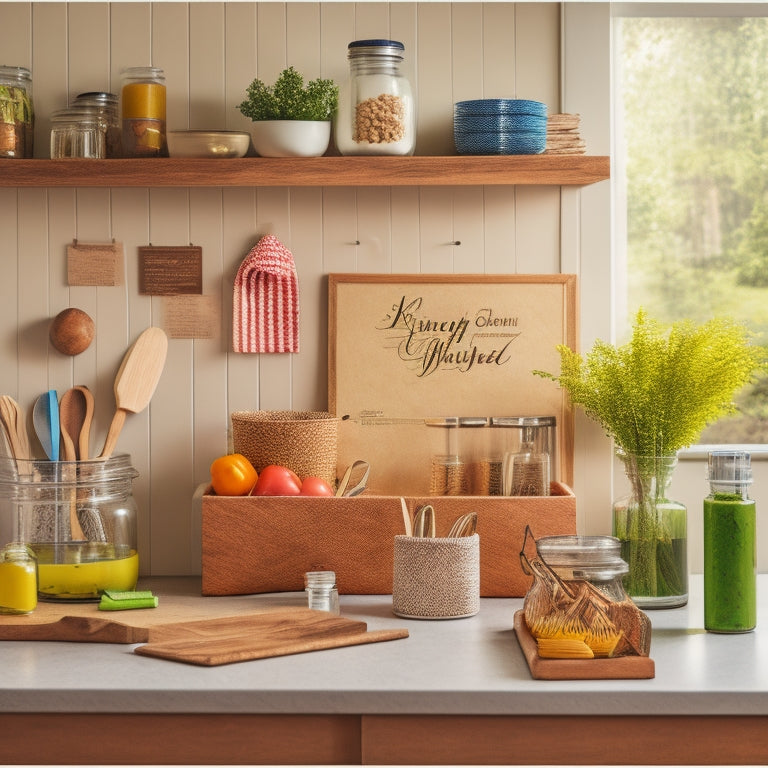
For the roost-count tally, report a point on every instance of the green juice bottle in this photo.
(730, 601)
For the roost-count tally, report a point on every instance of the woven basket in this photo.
(436, 578)
(304, 441)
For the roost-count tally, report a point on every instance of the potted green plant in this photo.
(289, 118)
(653, 396)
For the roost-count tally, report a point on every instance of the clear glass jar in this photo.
(17, 113)
(322, 594)
(143, 112)
(106, 106)
(43, 502)
(77, 132)
(578, 595)
(376, 113)
(18, 579)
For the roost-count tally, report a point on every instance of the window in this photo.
(691, 176)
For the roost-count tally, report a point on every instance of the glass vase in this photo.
(653, 534)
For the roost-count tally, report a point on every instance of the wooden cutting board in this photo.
(258, 636)
(620, 668)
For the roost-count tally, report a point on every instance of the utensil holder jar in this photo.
(40, 500)
(436, 578)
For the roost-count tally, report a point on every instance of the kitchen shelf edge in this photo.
(452, 170)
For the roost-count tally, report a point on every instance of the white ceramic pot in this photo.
(291, 138)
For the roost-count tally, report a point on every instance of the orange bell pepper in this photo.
(233, 475)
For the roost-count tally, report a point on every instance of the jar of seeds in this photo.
(376, 114)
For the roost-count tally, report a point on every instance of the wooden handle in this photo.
(114, 432)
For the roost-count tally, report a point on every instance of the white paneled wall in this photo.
(210, 52)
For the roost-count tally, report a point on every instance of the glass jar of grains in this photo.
(376, 114)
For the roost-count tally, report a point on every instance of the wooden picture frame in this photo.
(404, 348)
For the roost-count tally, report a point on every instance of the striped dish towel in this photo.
(265, 311)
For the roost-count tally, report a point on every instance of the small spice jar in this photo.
(322, 594)
(17, 114)
(376, 114)
(143, 112)
(18, 579)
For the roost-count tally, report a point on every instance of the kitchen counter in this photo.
(452, 692)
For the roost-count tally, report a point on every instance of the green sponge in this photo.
(122, 601)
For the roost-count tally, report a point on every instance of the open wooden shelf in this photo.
(571, 170)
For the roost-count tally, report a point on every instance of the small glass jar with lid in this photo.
(106, 105)
(79, 519)
(578, 595)
(322, 593)
(18, 579)
(77, 131)
(376, 113)
(143, 112)
(17, 114)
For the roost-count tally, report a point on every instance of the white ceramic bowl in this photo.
(291, 138)
(207, 143)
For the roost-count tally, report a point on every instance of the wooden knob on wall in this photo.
(72, 331)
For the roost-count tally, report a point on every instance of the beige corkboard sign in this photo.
(405, 348)
(95, 263)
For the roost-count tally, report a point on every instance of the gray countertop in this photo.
(468, 666)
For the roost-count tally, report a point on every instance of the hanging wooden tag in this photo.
(95, 263)
(170, 270)
(191, 317)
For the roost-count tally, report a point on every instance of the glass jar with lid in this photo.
(79, 519)
(78, 131)
(376, 114)
(143, 112)
(106, 105)
(17, 114)
(578, 595)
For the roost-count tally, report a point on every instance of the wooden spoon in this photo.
(75, 416)
(136, 380)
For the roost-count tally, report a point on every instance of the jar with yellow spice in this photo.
(18, 579)
(143, 112)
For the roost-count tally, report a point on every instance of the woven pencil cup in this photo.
(436, 578)
(304, 441)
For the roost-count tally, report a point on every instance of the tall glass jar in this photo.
(79, 519)
(17, 114)
(653, 533)
(143, 112)
(376, 114)
(106, 105)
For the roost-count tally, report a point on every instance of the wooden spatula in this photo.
(136, 381)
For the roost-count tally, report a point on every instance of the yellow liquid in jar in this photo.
(143, 101)
(89, 579)
(18, 587)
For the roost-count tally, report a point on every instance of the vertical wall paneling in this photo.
(210, 52)
(9, 297)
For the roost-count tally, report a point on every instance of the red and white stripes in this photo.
(265, 312)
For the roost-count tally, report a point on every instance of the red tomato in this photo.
(316, 486)
(277, 481)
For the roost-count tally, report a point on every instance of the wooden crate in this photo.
(267, 544)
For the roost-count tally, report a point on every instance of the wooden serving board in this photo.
(620, 668)
(259, 636)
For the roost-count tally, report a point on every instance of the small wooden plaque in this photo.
(620, 668)
(95, 263)
(170, 270)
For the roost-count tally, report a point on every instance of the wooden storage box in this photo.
(267, 544)
(403, 348)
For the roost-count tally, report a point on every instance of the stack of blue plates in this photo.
(500, 127)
